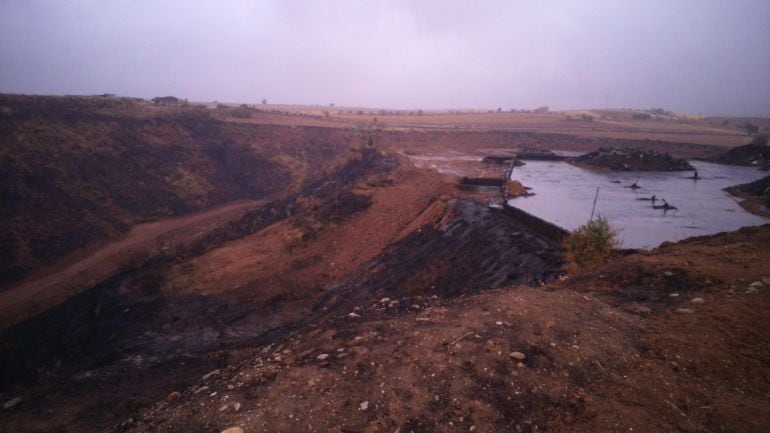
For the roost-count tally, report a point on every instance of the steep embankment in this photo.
(77, 171)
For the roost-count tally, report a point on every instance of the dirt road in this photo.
(76, 274)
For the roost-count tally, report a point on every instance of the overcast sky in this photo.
(701, 56)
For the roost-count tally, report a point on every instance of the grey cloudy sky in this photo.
(702, 56)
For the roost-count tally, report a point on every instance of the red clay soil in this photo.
(672, 340)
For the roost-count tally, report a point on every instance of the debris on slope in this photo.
(632, 160)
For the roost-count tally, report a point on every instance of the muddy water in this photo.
(564, 195)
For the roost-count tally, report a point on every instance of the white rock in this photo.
(518, 356)
(385, 300)
(233, 430)
(364, 405)
(697, 300)
(322, 356)
(208, 375)
(752, 290)
(757, 284)
(668, 274)
(354, 315)
(11, 403)
(684, 311)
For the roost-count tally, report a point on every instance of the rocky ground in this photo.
(672, 340)
(617, 159)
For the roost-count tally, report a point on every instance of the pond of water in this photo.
(564, 195)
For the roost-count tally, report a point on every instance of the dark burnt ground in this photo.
(472, 248)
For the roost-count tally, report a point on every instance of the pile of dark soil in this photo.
(633, 160)
(758, 188)
(756, 153)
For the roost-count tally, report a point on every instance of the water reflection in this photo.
(564, 195)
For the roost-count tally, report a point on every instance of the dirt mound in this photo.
(755, 195)
(756, 153)
(617, 159)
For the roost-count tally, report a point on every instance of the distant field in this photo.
(718, 131)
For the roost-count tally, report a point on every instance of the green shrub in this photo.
(590, 245)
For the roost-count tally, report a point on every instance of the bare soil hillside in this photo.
(289, 270)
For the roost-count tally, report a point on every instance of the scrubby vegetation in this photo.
(590, 245)
(79, 170)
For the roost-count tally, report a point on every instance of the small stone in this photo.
(473, 428)
(518, 356)
(385, 300)
(520, 365)
(674, 295)
(208, 375)
(354, 315)
(363, 406)
(642, 309)
(10, 404)
(697, 300)
(684, 311)
(757, 284)
(236, 407)
(200, 390)
(174, 396)
(230, 387)
(499, 323)
(223, 408)
(668, 274)
(751, 290)
(766, 280)
(323, 356)
(233, 430)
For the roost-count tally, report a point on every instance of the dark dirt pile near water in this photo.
(754, 193)
(617, 159)
(756, 153)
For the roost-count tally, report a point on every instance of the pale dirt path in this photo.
(51, 286)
